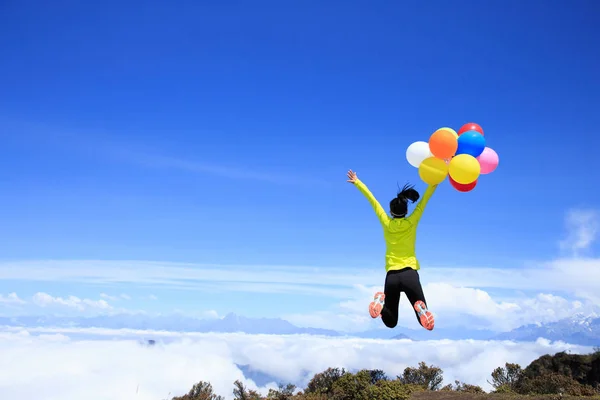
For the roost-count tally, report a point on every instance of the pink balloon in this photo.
(488, 161)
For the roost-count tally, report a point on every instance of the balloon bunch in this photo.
(463, 156)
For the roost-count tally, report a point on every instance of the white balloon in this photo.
(417, 152)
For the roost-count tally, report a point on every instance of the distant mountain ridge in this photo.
(177, 323)
(579, 329)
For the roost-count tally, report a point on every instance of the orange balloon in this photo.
(443, 143)
(451, 130)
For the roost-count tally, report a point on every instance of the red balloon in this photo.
(471, 126)
(462, 187)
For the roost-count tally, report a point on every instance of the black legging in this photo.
(405, 280)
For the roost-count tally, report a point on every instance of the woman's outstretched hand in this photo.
(352, 178)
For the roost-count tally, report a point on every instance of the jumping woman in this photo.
(401, 264)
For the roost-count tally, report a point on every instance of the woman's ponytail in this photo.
(408, 193)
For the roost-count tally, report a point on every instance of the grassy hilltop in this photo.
(559, 376)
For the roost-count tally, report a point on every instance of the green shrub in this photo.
(390, 390)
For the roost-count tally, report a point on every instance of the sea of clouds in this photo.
(61, 364)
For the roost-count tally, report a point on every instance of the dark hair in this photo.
(399, 205)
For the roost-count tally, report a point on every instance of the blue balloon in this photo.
(471, 143)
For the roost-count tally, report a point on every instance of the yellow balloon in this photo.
(452, 131)
(433, 170)
(464, 168)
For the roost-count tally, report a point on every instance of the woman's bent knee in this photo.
(390, 324)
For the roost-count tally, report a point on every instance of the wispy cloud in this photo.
(122, 296)
(87, 365)
(146, 154)
(187, 276)
(230, 172)
(567, 274)
(582, 230)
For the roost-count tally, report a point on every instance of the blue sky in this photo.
(221, 134)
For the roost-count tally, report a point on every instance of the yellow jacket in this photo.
(400, 234)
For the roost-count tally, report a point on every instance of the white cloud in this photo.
(29, 361)
(582, 230)
(45, 300)
(125, 296)
(11, 299)
(459, 304)
(452, 307)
